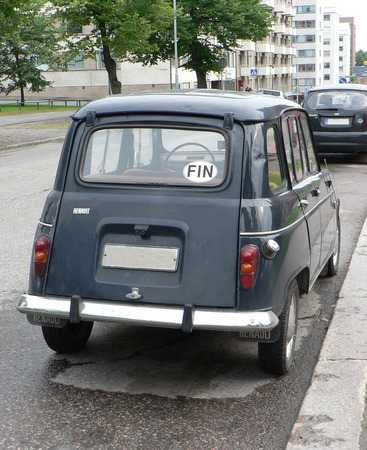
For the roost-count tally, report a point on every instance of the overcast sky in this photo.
(358, 10)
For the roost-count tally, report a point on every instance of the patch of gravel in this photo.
(15, 135)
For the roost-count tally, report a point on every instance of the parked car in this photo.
(338, 116)
(192, 210)
(270, 92)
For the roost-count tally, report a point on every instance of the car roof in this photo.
(245, 106)
(340, 86)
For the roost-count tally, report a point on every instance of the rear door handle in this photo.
(303, 203)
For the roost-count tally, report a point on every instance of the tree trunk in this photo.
(110, 64)
(22, 98)
(201, 77)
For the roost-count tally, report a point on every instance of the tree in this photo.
(207, 29)
(361, 57)
(29, 39)
(119, 27)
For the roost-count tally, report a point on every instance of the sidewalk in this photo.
(333, 412)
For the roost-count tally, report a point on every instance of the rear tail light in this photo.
(41, 250)
(249, 259)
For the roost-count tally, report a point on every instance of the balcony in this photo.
(280, 28)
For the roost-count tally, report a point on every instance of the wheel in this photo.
(333, 263)
(166, 165)
(277, 357)
(69, 339)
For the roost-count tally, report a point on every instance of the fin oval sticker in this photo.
(200, 171)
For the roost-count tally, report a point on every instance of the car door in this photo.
(306, 183)
(325, 192)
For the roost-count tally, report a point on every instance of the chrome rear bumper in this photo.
(148, 315)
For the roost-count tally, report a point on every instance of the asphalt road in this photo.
(139, 388)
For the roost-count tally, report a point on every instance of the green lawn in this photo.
(13, 109)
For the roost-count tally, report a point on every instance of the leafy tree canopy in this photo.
(208, 28)
(28, 40)
(361, 56)
(119, 27)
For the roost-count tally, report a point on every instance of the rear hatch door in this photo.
(151, 207)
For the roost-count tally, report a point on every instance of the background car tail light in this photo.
(41, 250)
(249, 259)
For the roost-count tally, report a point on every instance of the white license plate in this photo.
(337, 121)
(136, 257)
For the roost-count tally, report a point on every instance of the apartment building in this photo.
(308, 43)
(323, 45)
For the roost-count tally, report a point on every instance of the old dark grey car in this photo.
(338, 115)
(192, 210)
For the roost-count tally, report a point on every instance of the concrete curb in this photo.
(32, 143)
(332, 411)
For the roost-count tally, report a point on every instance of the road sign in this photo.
(342, 80)
(253, 72)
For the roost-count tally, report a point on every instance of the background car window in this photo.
(169, 156)
(311, 155)
(331, 99)
(275, 173)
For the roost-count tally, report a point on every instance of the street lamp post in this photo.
(175, 43)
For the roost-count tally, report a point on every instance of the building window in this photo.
(327, 41)
(341, 48)
(327, 17)
(309, 53)
(305, 24)
(327, 65)
(305, 38)
(306, 82)
(99, 61)
(326, 30)
(326, 53)
(340, 58)
(77, 62)
(327, 77)
(306, 67)
(341, 38)
(306, 9)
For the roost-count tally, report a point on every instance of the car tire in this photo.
(276, 358)
(69, 339)
(333, 263)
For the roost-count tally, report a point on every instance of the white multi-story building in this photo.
(322, 43)
(309, 44)
(345, 47)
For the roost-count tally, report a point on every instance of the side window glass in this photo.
(303, 148)
(309, 145)
(288, 149)
(275, 173)
(296, 147)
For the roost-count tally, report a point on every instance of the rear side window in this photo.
(275, 172)
(299, 150)
(161, 156)
(296, 147)
(311, 155)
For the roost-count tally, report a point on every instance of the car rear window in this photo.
(340, 99)
(161, 156)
